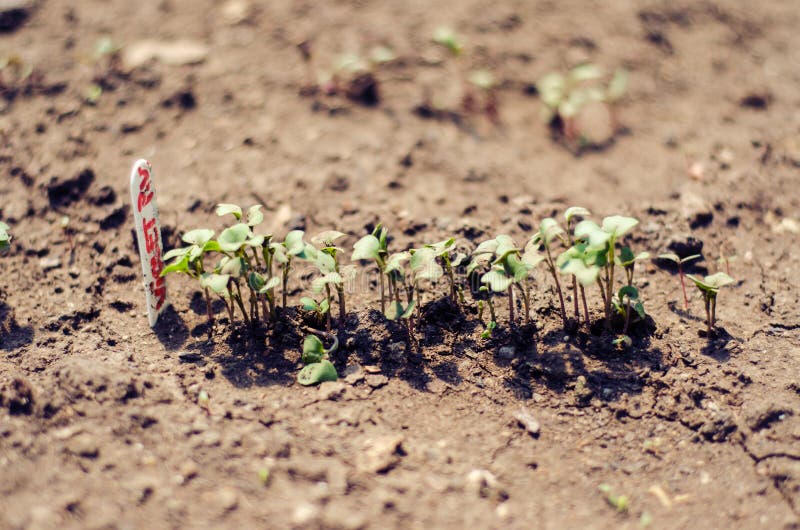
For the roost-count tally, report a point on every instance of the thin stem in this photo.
(554, 273)
(209, 313)
(525, 292)
(328, 313)
(342, 310)
(627, 316)
(286, 268)
(511, 319)
(585, 306)
(383, 302)
(708, 314)
(575, 298)
(238, 299)
(713, 312)
(683, 288)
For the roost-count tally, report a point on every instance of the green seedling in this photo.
(628, 296)
(5, 237)
(331, 273)
(670, 256)
(292, 247)
(603, 241)
(709, 287)
(549, 231)
(107, 60)
(321, 309)
(564, 96)
(15, 75)
(570, 215)
(618, 502)
(317, 373)
(448, 38)
(443, 250)
(509, 267)
(486, 84)
(399, 278)
(204, 402)
(374, 247)
(314, 350)
(583, 264)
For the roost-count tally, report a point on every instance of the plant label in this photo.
(148, 234)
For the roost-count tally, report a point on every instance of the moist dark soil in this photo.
(101, 425)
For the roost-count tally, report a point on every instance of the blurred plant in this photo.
(5, 237)
(564, 96)
(709, 287)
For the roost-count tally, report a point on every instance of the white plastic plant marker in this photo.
(148, 234)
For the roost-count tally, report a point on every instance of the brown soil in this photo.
(99, 421)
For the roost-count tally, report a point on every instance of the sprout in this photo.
(5, 237)
(549, 230)
(318, 368)
(679, 262)
(446, 37)
(710, 286)
(374, 247)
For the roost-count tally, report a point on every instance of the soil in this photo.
(100, 425)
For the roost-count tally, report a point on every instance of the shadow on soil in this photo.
(12, 335)
(588, 365)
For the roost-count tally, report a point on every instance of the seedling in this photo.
(5, 237)
(443, 250)
(16, 76)
(679, 262)
(67, 229)
(446, 37)
(374, 247)
(509, 267)
(107, 60)
(569, 215)
(618, 502)
(709, 287)
(549, 230)
(485, 83)
(628, 296)
(400, 278)
(331, 273)
(604, 239)
(565, 96)
(318, 368)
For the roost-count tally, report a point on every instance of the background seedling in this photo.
(484, 81)
(679, 262)
(709, 287)
(618, 502)
(564, 97)
(5, 237)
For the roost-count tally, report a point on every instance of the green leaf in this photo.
(691, 258)
(421, 257)
(317, 373)
(198, 237)
(324, 306)
(458, 259)
(396, 260)
(548, 230)
(593, 234)
(629, 291)
(181, 265)
(576, 211)
(216, 282)
(670, 256)
(232, 266)
(517, 268)
(271, 284)
(327, 238)
(719, 279)
(505, 246)
(446, 37)
(233, 238)
(617, 86)
(639, 308)
(482, 79)
(308, 303)
(617, 225)
(585, 274)
(409, 310)
(431, 271)
(442, 246)
(294, 243)
(489, 328)
(175, 252)
(319, 283)
(486, 247)
(254, 215)
(225, 209)
(551, 89)
(367, 247)
(497, 279)
(313, 349)
(325, 263)
(585, 72)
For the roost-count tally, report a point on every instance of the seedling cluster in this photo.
(252, 273)
(566, 97)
